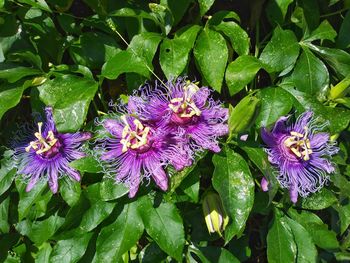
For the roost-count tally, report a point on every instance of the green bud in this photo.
(340, 90)
(214, 213)
(242, 116)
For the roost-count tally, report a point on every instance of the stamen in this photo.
(42, 145)
(299, 144)
(140, 134)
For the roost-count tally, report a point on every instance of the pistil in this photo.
(299, 144)
(42, 145)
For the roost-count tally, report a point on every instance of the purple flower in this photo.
(47, 153)
(133, 150)
(182, 107)
(300, 152)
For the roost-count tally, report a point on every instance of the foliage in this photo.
(264, 59)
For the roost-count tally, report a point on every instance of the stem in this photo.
(334, 13)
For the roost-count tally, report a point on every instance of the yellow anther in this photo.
(296, 152)
(140, 134)
(42, 145)
(175, 100)
(293, 133)
(299, 144)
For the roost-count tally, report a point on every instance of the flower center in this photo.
(299, 144)
(46, 147)
(136, 139)
(184, 107)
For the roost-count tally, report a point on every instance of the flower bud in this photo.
(242, 116)
(264, 184)
(214, 213)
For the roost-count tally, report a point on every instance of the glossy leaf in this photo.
(324, 31)
(117, 238)
(241, 72)
(321, 235)
(164, 224)
(238, 37)
(174, 53)
(70, 191)
(320, 200)
(211, 55)
(86, 164)
(337, 59)
(281, 52)
(311, 75)
(281, 246)
(234, 183)
(275, 102)
(70, 96)
(204, 5)
(70, 250)
(10, 96)
(95, 215)
(27, 199)
(307, 251)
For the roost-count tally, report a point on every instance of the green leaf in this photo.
(281, 52)
(86, 164)
(234, 183)
(93, 49)
(241, 72)
(310, 75)
(319, 232)
(110, 190)
(238, 37)
(145, 46)
(123, 62)
(98, 211)
(70, 250)
(4, 215)
(10, 96)
(303, 102)
(280, 242)
(43, 255)
(276, 10)
(164, 224)
(320, 200)
(275, 102)
(307, 251)
(116, 239)
(337, 59)
(324, 31)
(343, 40)
(40, 231)
(211, 55)
(7, 171)
(70, 96)
(28, 199)
(190, 185)
(13, 72)
(344, 216)
(204, 6)
(174, 53)
(70, 190)
(152, 253)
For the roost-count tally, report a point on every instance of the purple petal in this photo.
(50, 123)
(161, 179)
(52, 174)
(264, 184)
(293, 193)
(268, 137)
(33, 180)
(319, 140)
(113, 127)
(280, 125)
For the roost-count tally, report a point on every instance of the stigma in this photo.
(299, 144)
(136, 138)
(184, 106)
(42, 144)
